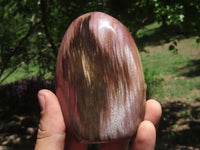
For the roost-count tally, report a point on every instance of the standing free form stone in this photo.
(99, 80)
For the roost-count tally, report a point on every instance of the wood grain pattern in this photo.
(99, 80)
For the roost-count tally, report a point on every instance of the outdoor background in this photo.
(167, 33)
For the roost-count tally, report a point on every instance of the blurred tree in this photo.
(183, 14)
(19, 20)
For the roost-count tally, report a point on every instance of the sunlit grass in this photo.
(24, 71)
(148, 30)
(176, 70)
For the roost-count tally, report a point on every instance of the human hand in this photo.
(52, 134)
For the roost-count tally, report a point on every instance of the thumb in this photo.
(51, 132)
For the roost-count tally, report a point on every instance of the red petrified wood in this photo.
(99, 80)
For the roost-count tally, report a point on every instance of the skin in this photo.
(52, 134)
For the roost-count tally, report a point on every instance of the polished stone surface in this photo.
(99, 80)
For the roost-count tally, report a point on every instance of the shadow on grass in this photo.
(180, 126)
(192, 69)
(18, 132)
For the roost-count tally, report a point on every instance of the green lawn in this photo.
(24, 71)
(179, 71)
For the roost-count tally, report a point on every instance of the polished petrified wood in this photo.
(99, 80)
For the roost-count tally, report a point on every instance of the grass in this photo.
(149, 29)
(175, 69)
(24, 71)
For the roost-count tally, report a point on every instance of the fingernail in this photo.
(41, 101)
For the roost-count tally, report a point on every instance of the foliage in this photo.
(169, 12)
(183, 14)
(31, 31)
(173, 47)
(20, 36)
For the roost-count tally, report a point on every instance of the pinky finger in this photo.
(146, 137)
